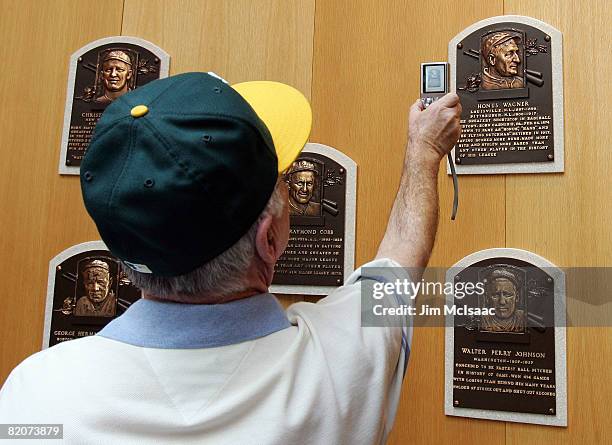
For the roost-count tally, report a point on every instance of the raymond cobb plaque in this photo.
(86, 290)
(508, 72)
(99, 73)
(320, 255)
(505, 350)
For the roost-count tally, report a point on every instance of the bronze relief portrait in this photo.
(304, 182)
(118, 69)
(503, 292)
(115, 75)
(502, 57)
(98, 299)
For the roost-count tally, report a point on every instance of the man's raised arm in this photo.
(413, 221)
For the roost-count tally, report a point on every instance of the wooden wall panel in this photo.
(366, 74)
(239, 40)
(41, 212)
(566, 217)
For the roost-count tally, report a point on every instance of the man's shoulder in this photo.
(54, 384)
(59, 360)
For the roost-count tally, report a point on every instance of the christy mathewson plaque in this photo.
(86, 290)
(508, 362)
(322, 186)
(99, 73)
(508, 73)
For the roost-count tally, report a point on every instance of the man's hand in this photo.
(433, 132)
(413, 222)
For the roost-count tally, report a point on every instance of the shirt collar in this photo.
(167, 325)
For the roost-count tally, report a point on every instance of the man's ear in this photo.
(266, 244)
(491, 59)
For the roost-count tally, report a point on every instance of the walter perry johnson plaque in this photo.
(86, 290)
(99, 73)
(321, 248)
(508, 362)
(508, 73)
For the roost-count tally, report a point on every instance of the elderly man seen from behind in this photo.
(182, 179)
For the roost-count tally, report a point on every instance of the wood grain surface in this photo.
(42, 212)
(566, 217)
(358, 62)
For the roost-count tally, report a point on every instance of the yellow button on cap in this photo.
(139, 111)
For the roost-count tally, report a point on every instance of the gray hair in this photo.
(221, 276)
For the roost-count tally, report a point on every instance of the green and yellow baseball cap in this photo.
(179, 169)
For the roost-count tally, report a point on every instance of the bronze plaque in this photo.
(507, 74)
(86, 291)
(320, 253)
(507, 356)
(100, 72)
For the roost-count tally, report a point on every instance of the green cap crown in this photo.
(180, 183)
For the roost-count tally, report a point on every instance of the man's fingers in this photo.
(417, 106)
(449, 100)
(415, 109)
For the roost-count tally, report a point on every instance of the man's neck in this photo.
(203, 299)
(258, 276)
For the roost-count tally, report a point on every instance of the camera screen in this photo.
(434, 79)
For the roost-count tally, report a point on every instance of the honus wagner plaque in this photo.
(322, 192)
(508, 74)
(85, 291)
(99, 73)
(508, 361)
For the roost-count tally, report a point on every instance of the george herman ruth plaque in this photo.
(86, 290)
(505, 345)
(508, 73)
(99, 73)
(320, 255)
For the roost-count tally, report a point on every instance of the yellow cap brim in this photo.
(286, 113)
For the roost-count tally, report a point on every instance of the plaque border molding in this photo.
(164, 68)
(556, 55)
(560, 417)
(349, 221)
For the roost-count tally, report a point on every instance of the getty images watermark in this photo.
(493, 295)
(389, 297)
(400, 291)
